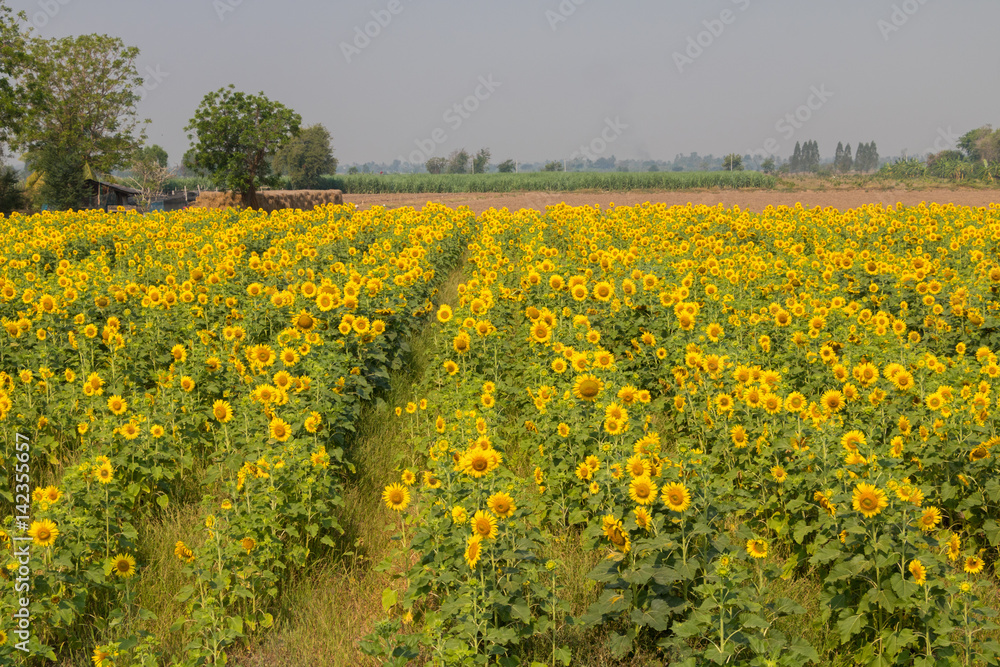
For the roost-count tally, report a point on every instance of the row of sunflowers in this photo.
(717, 406)
(206, 362)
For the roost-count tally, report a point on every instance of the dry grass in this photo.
(328, 611)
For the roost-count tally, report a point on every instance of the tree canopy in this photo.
(307, 157)
(235, 136)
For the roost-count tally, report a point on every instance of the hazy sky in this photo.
(540, 79)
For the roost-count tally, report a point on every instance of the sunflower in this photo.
(461, 343)
(477, 462)
(187, 383)
(587, 388)
(929, 520)
(280, 429)
(772, 403)
(642, 518)
(795, 402)
(869, 500)
(757, 548)
(43, 533)
(304, 321)
(102, 656)
(779, 474)
(117, 405)
(614, 531)
(978, 454)
(903, 380)
(473, 550)
(313, 422)
(130, 431)
(484, 524)
(642, 490)
(444, 313)
(676, 496)
(104, 473)
(450, 367)
(918, 571)
(502, 505)
(954, 546)
(603, 291)
(832, 400)
(459, 515)
(123, 565)
(852, 440)
(430, 481)
(973, 565)
(396, 496)
(563, 430)
(248, 544)
(222, 411)
(638, 466)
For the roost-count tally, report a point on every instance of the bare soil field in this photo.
(754, 200)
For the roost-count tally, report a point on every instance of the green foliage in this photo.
(555, 165)
(64, 186)
(507, 167)
(306, 157)
(458, 162)
(546, 181)
(154, 154)
(435, 165)
(732, 162)
(235, 136)
(481, 162)
(11, 193)
(88, 87)
(16, 60)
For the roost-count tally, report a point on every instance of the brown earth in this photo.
(754, 200)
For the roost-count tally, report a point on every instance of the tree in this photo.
(481, 161)
(507, 167)
(732, 162)
(18, 89)
(848, 160)
(307, 157)
(149, 173)
(969, 142)
(11, 193)
(767, 166)
(436, 165)
(63, 172)
(235, 137)
(458, 162)
(838, 157)
(795, 161)
(154, 154)
(555, 165)
(85, 115)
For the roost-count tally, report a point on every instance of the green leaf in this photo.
(389, 599)
(163, 501)
(850, 626)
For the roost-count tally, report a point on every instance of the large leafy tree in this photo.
(235, 137)
(17, 91)
(84, 120)
(307, 157)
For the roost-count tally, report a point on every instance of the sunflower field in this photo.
(739, 425)
(207, 359)
(651, 434)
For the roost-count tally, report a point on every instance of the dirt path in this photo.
(754, 200)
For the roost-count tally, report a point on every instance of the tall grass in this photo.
(545, 181)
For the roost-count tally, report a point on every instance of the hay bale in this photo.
(273, 200)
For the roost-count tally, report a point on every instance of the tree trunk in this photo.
(249, 197)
